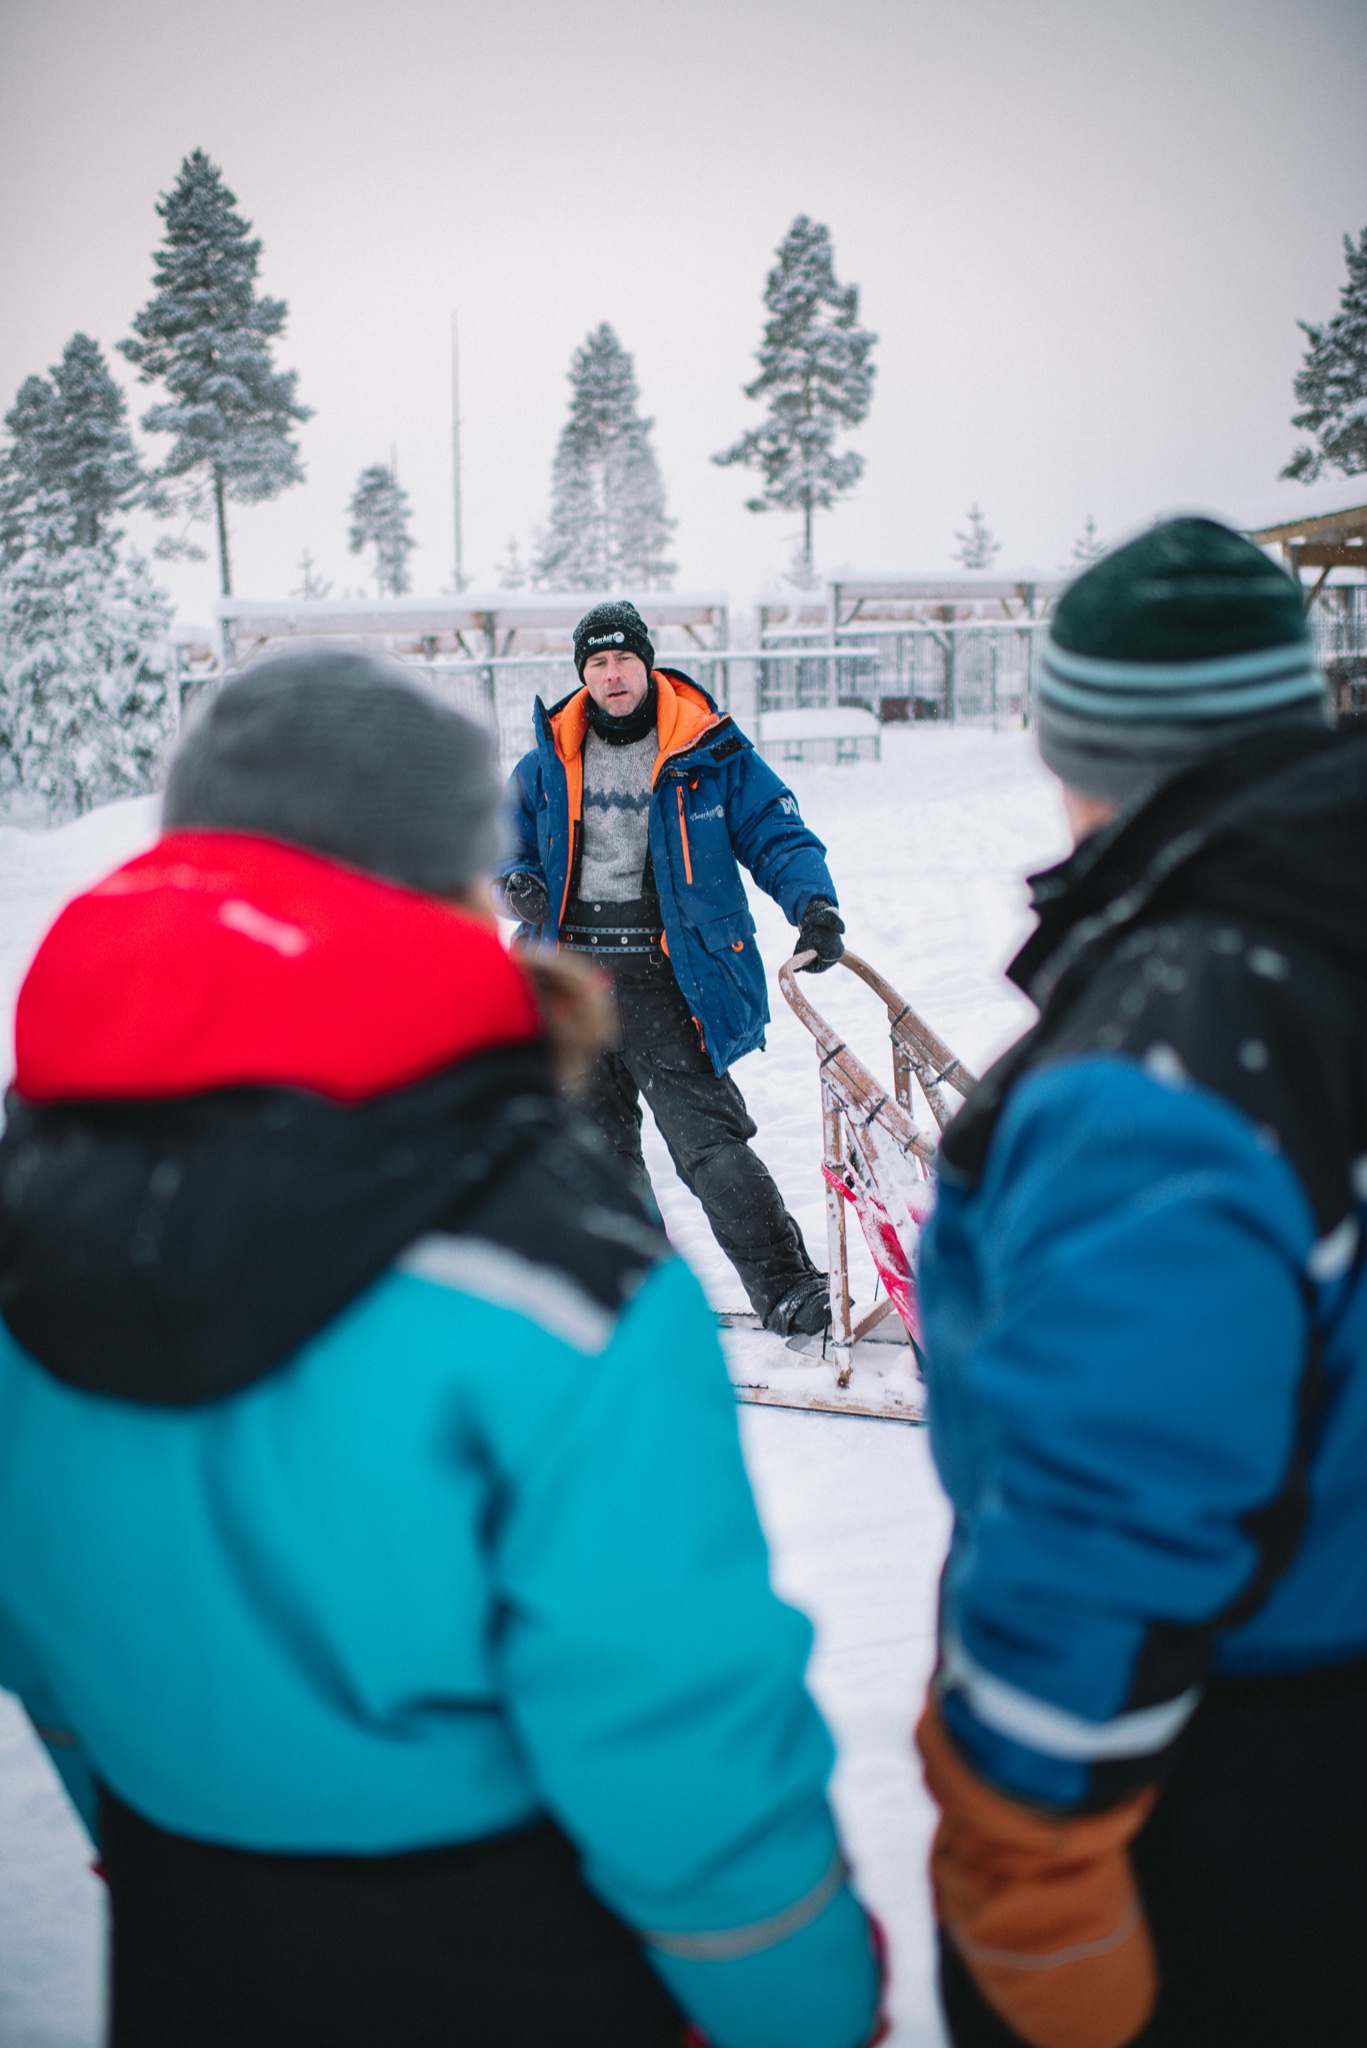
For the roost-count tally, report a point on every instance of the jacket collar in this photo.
(1246, 828)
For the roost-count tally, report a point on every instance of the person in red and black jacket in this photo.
(376, 1552)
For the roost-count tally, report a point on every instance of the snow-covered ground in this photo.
(927, 848)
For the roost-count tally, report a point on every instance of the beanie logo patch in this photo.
(606, 639)
(244, 918)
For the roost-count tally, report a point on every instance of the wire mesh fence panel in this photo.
(809, 680)
(965, 670)
(501, 695)
(1338, 630)
(1338, 622)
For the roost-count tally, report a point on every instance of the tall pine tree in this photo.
(608, 529)
(379, 519)
(207, 335)
(22, 462)
(68, 435)
(816, 377)
(87, 675)
(512, 570)
(1331, 385)
(1089, 547)
(979, 547)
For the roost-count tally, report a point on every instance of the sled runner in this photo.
(876, 1161)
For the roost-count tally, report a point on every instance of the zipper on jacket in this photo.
(683, 833)
(569, 875)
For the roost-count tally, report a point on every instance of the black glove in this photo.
(525, 895)
(819, 933)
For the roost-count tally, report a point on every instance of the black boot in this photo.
(804, 1311)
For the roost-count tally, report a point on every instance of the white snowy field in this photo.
(927, 848)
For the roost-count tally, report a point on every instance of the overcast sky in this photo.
(1082, 229)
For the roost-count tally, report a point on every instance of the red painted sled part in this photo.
(876, 1161)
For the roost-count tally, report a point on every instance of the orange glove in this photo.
(1044, 1911)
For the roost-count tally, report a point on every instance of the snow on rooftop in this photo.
(1287, 501)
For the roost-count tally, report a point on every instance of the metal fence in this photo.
(1338, 627)
(501, 693)
(971, 670)
(978, 671)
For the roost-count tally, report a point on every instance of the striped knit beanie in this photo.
(1184, 640)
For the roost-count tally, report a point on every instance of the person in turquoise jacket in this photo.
(376, 1554)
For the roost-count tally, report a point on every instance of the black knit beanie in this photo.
(339, 753)
(1186, 639)
(615, 628)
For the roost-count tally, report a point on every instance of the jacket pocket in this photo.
(726, 934)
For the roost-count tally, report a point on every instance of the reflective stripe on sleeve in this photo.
(1053, 1731)
(729, 1944)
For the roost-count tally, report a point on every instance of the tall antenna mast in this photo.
(455, 452)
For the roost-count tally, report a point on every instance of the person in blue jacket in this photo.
(630, 821)
(376, 1554)
(1146, 1324)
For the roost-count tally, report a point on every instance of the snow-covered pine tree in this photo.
(207, 335)
(1331, 384)
(21, 463)
(310, 585)
(978, 548)
(87, 689)
(379, 514)
(608, 528)
(69, 435)
(90, 453)
(1089, 547)
(512, 570)
(816, 376)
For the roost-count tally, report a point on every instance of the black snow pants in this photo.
(1253, 1869)
(703, 1120)
(495, 1944)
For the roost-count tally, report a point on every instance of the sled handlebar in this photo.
(854, 1086)
(915, 1046)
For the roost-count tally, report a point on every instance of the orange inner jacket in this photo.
(683, 716)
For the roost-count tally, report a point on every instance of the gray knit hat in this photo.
(1187, 639)
(340, 754)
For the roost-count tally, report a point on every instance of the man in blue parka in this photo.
(1146, 1323)
(631, 819)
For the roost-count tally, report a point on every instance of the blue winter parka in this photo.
(715, 807)
(1145, 1287)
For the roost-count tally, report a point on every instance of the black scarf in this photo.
(621, 732)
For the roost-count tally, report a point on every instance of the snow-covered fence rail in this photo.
(977, 671)
(967, 669)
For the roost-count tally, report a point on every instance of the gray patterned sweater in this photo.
(616, 817)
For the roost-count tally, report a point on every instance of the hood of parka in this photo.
(172, 1252)
(247, 1078)
(1149, 936)
(1273, 831)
